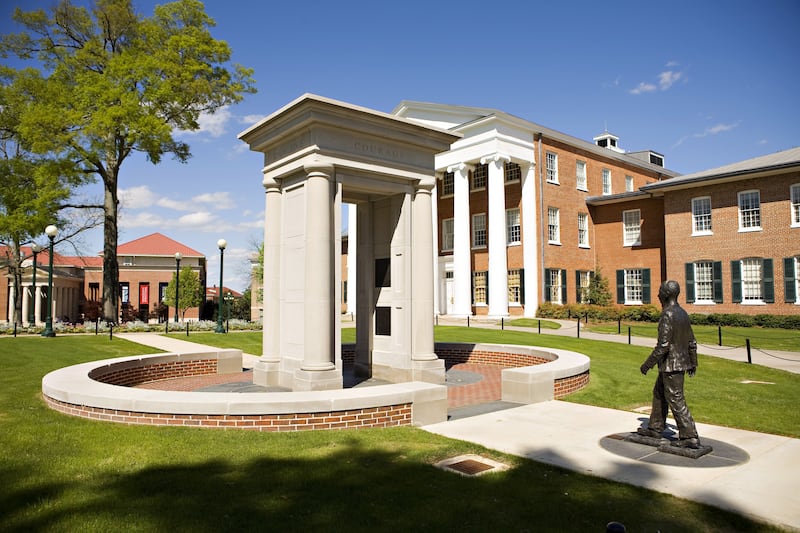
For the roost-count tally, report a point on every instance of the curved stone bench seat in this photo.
(102, 390)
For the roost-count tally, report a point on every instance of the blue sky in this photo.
(705, 83)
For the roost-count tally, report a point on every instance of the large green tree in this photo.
(119, 83)
(34, 187)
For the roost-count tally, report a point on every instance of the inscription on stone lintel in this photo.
(377, 150)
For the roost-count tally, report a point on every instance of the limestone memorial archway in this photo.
(318, 154)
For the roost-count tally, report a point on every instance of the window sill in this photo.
(481, 305)
(509, 182)
(554, 243)
(631, 244)
(702, 233)
(446, 196)
(749, 230)
(514, 304)
(477, 189)
(795, 225)
(705, 302)
(583, 189)
(518, 243)
(753, 302)
(633, 303)
(585, 246)
(480, 247)
(553, 182)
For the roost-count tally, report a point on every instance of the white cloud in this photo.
(715, 129)
(643, 88)
(667, 78)
(199, 218)
(251, 119)
(175, 205)
(137, 197)
(141, 220)
(220, 200)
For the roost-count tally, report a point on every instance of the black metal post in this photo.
(467, 320)
(187, 329)
(619, 326)
(579, 327)
(110, 331)
(502, 323)
(629, 334)
(219, 328)
(540, 326)
(749, 359)
(719, 331)
(177, 282)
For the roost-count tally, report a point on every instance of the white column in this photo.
(422, 275)
(530, 243)
(352, 257)
(26, 297)
(498, 262)
(462, 268)
(437, 281)
(318, 355)
(272, 272)
(37, 306)
(11, 295)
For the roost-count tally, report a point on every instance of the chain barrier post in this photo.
(579, 327)
(619, 326)
(110, 331)
(502, 324)
(540, 326)
(187, 329)
(629, 334)
(747, 343)
(719, 332)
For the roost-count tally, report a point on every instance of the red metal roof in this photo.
(156, 244)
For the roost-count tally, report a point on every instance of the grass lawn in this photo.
(60, 473)
(760, 338)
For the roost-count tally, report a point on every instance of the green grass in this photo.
(60, 473)
(761, 338)
(534, 323)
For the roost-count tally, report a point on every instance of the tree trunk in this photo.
(110, 264)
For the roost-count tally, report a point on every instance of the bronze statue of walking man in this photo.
(675, 354)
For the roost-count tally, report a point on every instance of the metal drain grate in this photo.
(470, 465)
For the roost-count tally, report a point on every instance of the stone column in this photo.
(26, 297)
(437, 282)
(265, 371)
(462, 268)
(318, 372)
(352, 257)
(498, 262)
(530, 244)
(11, 295)
(37, 306)
(426, 366)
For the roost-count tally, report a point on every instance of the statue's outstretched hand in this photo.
(692, 371)
(644, 368)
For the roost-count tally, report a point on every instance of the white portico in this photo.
(495, 140)
(319, 153)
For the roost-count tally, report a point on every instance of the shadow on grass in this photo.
(350, 488)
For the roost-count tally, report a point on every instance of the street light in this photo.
(222, 243)
(51, 232)
(35, 248)
(178, 257)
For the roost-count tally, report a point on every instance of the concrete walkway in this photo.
(762, 484)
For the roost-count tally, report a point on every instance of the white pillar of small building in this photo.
(26, 297)
(11, 295)
(265, 371)
(462, 267)
(37, 306)
(530, 242)
(498, 262)
(438, 283)
(352, 257)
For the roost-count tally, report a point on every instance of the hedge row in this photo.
(132, 327)
(651, 313)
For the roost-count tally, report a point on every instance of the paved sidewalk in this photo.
(764, 485)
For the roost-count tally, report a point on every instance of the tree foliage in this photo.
(190, 293)
(116, 83)
(598, 292)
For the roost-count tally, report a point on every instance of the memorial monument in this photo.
(318, 154)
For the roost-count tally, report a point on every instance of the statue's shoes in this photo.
(693, 443)
(647, 432)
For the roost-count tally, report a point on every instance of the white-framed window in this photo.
(606, 181)
(479, 287)
(513, 172)
(583, 230)
(704, 282)
(552, 167)
(580, 175)
(749, 211)
(628, 183)
(584, 280)
(796, 279)
(795, 196)
(514, 287)
(632, 227)
(553, 225)
(752, 280)
(554, 283)
(479, 230)
(513, 233)
(701, 216)
(633, 286)
(447, 234)
(479, 177)
(448, 184)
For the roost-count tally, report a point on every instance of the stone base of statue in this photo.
(667, 445)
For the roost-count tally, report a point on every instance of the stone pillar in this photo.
(425, 365)
(437, 281)
(11, 297)
(530, 244)
(26, 297)
(498, 262)
(352, 257)
(462, 268)
(265, 371)
(37, 306)
(318, 371)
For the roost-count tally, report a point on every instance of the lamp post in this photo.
(228, 302)
(222, 243)
(51, 232)
(178, 257)
(35, 248)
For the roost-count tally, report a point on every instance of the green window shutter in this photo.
(564, 287)
(522, 286)
(736, 281)
(577, 286)
(546, 284)
(768, 280)
(717, 276)
(645, 285)
(487, 287)
(789, 279)
(620, 286)
(689, 267)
